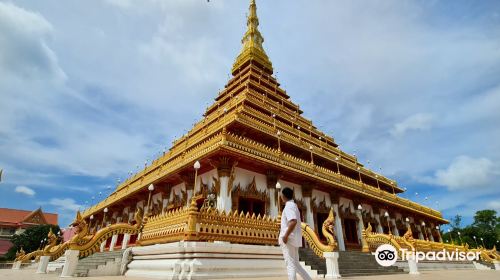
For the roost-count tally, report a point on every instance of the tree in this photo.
(486, 229)
(31, 239)
(486, 219)
(455, 222)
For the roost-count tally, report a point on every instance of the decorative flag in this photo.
(1, 171)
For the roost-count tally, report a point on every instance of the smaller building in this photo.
(15, 221)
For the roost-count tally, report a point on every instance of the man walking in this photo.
(290, 238)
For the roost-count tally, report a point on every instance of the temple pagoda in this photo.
(252, 139)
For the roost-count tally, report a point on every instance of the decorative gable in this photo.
(35, 217)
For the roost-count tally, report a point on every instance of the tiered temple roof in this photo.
(254, 120)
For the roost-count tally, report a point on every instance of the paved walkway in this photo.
(29, 274)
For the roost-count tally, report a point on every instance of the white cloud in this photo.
(123, 4)
(465, 173)
(25, 190)
(37, 106)
(65, 204)
(420, 121)
(25, 53)
(495, 205)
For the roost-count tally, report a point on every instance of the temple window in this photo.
(252, 206)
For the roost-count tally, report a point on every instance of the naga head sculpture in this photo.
(51, 236)
(79, 223)
(327, 229)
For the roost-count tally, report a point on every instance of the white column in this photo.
(224, 200)
(189, 196)
(273, 207)
(126, 240)
(309, 218)
(115, 215)
(103, 245)
(164, 205)
(332, 265)
(338, 228)
(42, 265)
(16, 265)
(420, 234)
(379, 225)
(395, 230)
(412, 265)
(71, 261)
(114, 239)
(125, 215)
(361, 226)
(142, 204)
(429, 234)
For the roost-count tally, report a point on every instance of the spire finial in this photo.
(252, 43)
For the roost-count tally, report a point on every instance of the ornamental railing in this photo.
(371, 240)
(84, 241)
(52, 249)
(208, 224)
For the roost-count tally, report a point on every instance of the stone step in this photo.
(108, 252)
(391, 268)
(367, 274)
(111, 254)
(351, 263)
(96, 262)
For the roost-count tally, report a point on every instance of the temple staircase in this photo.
(100, 264)
(351, 263)
(56, 266)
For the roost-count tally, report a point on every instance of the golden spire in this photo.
(252, 43)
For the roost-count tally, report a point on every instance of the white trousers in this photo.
(291, 256)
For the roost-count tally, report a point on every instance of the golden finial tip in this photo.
(252, 43)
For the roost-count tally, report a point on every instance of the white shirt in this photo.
(291, 212)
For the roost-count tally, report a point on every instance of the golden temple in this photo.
(212, 199)
(252, 137)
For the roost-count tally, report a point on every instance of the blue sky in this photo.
(92, 89)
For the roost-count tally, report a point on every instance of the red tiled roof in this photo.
(16, 216)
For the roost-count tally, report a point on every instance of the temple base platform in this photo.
(205, 260)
